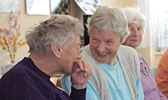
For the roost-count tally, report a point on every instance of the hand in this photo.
(80, 74)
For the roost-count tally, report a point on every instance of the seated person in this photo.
(54, 50)
(115, 68)
(136, 24)
(162, 74)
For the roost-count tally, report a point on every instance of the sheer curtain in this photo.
(156, 33)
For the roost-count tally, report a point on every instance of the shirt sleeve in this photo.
(162, 76)
(139, 89)
(75, 94)
(91, 91)
(78, 94)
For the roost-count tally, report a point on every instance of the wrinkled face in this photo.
(104, 45)
(135, 37)
(70, 55)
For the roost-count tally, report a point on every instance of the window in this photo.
(156, 33)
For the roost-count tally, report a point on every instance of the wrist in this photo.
(78, 86)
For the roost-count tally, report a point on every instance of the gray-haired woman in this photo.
(115, 68)
(54, 50)
(136, 24)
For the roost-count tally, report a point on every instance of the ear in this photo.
(57, 50)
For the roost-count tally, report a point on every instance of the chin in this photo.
(101, 60)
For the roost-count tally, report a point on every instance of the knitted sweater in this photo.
(130, 65)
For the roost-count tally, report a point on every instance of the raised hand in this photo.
(80, 74)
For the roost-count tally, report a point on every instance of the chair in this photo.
(153, 70)
(56, 81)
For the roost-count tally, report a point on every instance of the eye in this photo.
(139, 28)
(109, 42)
(131, 28)
(95, 40)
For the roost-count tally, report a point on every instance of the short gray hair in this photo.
(132, 14)
(59, 29)
(110, 19)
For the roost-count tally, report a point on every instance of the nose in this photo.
(79, 56)
(101, 47)
(136, 33)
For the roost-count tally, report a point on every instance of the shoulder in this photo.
(66, 83)
(86, 50)
(87, 55)
(12, 80)
(127, 50)
(162, 67)
(18, 73)
(165, 57)
(129, 59)
(128, 53)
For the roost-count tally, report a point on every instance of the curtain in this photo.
(156, 32)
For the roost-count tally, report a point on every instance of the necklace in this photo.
(114, 60)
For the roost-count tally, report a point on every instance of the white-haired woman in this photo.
(136, 24)
(115, 68)
(54, 50)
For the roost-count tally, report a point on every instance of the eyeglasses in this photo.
(79, 49)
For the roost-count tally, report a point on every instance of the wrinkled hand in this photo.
(80, 74)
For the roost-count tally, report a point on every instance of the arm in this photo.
(139, 89)
(161, 76)
(78, 94)
(79, 77)
(91, 92)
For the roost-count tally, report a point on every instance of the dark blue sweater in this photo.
(26, 82)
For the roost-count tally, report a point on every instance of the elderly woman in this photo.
(115, 68)
(136, 24)
(54, 50)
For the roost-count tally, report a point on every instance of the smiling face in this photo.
(135, 37)
(104, 45)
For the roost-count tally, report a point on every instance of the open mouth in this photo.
(102, 54)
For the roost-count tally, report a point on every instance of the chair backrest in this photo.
(153, 70)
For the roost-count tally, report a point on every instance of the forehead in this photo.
(135, 24)
(103, 34)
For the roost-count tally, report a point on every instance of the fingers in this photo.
(80, 74)
(87, 69)
(80, 65)
(84, 67)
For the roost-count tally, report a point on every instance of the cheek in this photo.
(113, 48)
(141, 35)
(128, 39)
(93, 44)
